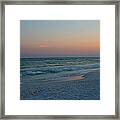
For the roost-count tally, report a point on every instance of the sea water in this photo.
(60, 78)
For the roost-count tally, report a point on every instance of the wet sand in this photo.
(81, 77)
(74, 88)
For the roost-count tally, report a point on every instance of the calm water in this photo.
(60, 78)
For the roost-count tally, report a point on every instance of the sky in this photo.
(41, 38)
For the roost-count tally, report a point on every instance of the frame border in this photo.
(61, 2)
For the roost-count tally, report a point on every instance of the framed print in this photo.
(60, 60)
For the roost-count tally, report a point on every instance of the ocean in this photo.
(60, 78)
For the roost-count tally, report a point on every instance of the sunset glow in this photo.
(60, 38)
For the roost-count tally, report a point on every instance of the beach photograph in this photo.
(59, 60)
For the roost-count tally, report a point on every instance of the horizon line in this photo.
(58, 56)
